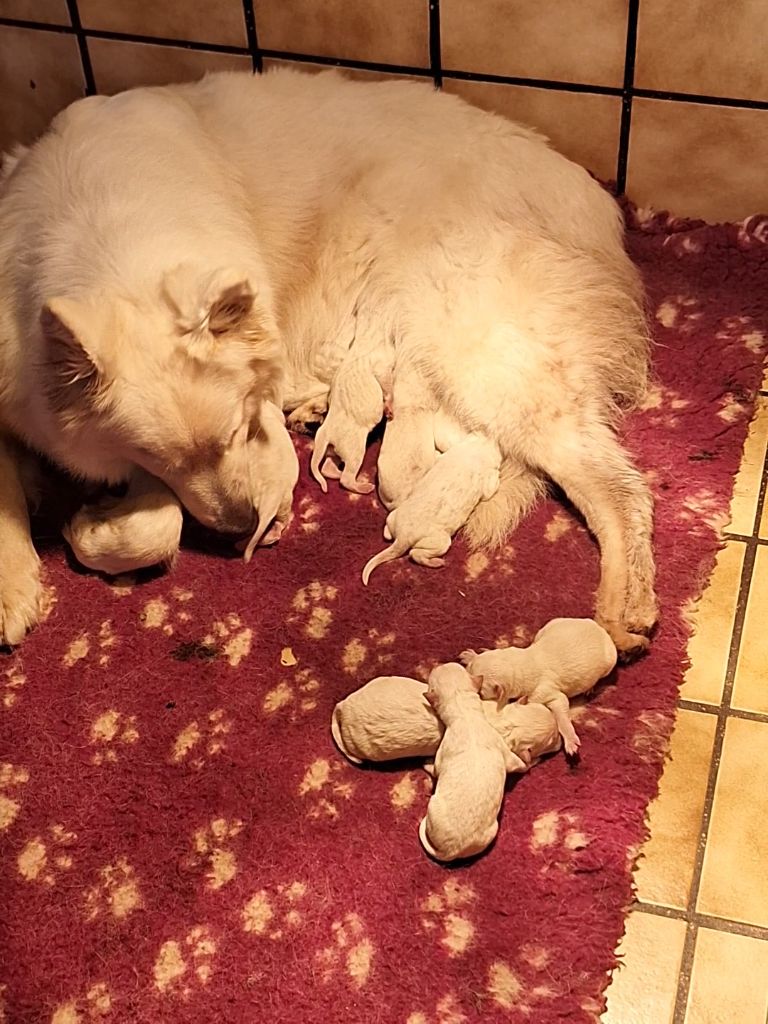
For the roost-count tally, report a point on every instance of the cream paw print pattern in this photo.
(213, 847)
(96, 1006)
(185, 965)
(297, 696)
(325, 788)
(116, 893)
(12, 779)
(278, 913)
(109, 733)
(202, 739)
(44, 858)
(447, 915)
(350, 952)
(312, 609)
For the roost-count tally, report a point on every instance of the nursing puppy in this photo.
(274, 470)
(440, 504)
(495, 265)
(408, 448)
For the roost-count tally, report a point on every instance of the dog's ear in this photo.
(73, 374)
(221, 303)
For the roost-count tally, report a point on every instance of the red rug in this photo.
(182, 843)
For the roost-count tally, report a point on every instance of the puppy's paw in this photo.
(20, 595)
(467, 657)
(307, 416)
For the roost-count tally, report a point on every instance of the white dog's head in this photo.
(173, 384)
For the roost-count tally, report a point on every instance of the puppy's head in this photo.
(173, 383)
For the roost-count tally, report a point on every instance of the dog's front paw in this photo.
(20, 595)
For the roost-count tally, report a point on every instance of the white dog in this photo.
(166, 253)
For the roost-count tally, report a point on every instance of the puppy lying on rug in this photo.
(171, 258)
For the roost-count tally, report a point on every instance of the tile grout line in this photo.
(382, 66)
(692, 916)
(719, 711)
(435, 50)
(251, 35)
(626, 96)
(82, 46)
(720, 924)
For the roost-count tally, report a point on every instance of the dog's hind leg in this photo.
(492, 520)
(597, 475)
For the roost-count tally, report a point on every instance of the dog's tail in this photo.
(492, 520)
(396, 550)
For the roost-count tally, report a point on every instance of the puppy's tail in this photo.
(319, 448)
(519, 489)
(396, 550)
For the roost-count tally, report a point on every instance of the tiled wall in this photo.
(667, 97)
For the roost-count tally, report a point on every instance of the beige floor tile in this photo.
(750, 687)
(764, 522)
(643, 990)
(729, 983)
(747, 485)
(713, 622)
(734, 880)
(665, 871)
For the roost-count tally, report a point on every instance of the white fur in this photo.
(121, 535)
(356, 406)
(274, 470)
(471, 768)
(567, 658)
(408, 447)
(440, 504)
(389, 718)
(187, 244)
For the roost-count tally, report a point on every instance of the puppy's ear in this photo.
(73, 374)
(477, 682)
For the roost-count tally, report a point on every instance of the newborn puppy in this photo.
(274, 468)
(408, 449)
(390, 718)
(471, 768)
(567, 657)
(121, 535)
(356, 406)
(441, 503)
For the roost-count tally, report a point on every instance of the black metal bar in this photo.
(626, 98)
(82, 45)
(435, 57)
(250, 31)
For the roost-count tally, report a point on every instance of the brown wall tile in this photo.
(119, 65)
(357, 74)
(52, 12)
(698, 160)
(583, 127)
(569, 41)
(40, 74)
(388, 31)
(710, 47)
(215, 21)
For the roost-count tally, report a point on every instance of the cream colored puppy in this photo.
(125, 534)
(470, 769)
(274, 470)
(567, 657)
(390, 718)
(440, 504)
(356, 405)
